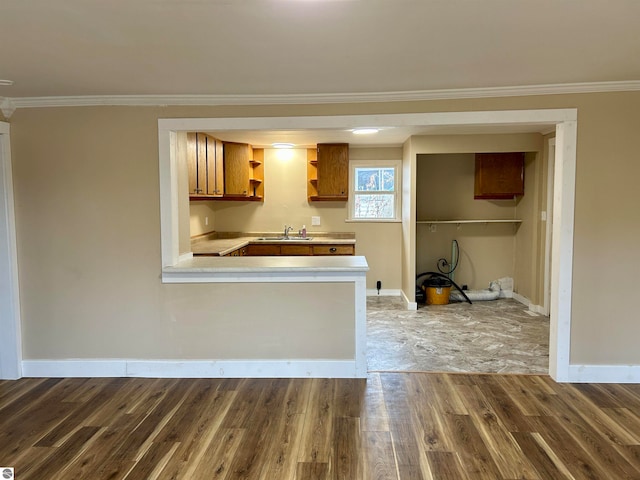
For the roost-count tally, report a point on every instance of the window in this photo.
(375, 191)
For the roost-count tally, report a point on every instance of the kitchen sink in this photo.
(282, 239)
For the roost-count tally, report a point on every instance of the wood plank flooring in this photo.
(404, 426)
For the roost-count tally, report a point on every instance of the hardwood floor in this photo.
(393, 426)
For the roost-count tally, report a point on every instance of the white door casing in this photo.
(551, 161)
(10, 339)
(565, 121)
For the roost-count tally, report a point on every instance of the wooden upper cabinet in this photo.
(223, 170)
(331, 166)
(204, 162)
(237, 169)
(499, 176)
(215, 170)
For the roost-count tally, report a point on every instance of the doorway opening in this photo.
(492, 249)
(421, 125)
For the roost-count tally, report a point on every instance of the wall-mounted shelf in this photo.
(458, 222)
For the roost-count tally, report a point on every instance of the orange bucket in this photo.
(438, 295)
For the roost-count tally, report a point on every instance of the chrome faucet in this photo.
(287, 229)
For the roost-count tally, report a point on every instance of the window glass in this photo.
(374, 194)
(374, 179)
(374, 206)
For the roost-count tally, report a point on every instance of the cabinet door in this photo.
(263, 249)
(333, 170)
(499, 175)
(201, 141)
(295, 250)
(197, 163)
(215, 173)
(236, 169)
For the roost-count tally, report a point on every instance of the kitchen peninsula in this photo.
(298, 315)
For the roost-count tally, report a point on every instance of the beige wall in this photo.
(87, 215)
(202, 219)
(445, 184)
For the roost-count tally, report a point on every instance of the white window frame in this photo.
(397, 167)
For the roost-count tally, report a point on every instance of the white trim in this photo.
(520, 298)
(169, 228)
(320, 98)
(604, 373)
(409, 304)
(564, 186)
(288, 368)
(7, 107)
(565, 121)
(551, 160)
(539, 309)
(360, 358)
(389, 292)
(10, 322)
(294, 368)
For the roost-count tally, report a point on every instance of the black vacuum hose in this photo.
(452, 282)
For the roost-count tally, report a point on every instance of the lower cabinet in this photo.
(263, 249)
(272, 249)
(334, 249)
(240, 252)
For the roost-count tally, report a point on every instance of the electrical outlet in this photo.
(206, 220)
(315, 221)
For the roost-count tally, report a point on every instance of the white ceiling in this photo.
(258, 48)
(387, 136)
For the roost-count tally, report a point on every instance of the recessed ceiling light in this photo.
(6, 82)
(364, 131)
(282, 145)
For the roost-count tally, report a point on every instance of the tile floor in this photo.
(499, 336)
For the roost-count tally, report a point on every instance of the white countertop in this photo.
(275, 264)
(222, 246)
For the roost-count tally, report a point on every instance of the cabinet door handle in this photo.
(333, 249)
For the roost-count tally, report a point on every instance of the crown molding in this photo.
(7, 107)
(406, 96)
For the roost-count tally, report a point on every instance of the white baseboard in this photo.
(538, 309)
(190, 368)
(520, 298)
(409, 305)
(264, 369)
(372, 292)
(604, 374)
